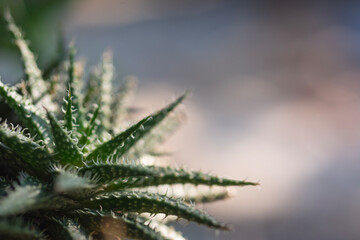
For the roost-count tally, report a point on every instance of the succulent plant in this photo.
(85, 176)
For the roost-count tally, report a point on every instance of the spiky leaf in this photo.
(107, 149)
(36, 84)
(154, 120)
(139, 202)
(192, 193)
(74, 88)
(30, 151)
(69, 112)
(11, 164)
(110, 172)
(105, 76)
(167, 175)
(65, 146)
(90, 128)
(28, 113)
(156, 137)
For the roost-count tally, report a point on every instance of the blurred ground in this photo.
(276, 100)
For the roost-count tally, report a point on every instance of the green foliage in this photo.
(65, 179)
(65, 146)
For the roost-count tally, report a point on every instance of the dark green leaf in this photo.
(106, 73)
(168, 175)
(140, 202)
(30, 152)
(155, 137)
(110, 172)
(65, 146)
(90, 128)
(106, 150)
(11, 164)
(69, 112)
(28, 113)
(153, 121)
(74, 89)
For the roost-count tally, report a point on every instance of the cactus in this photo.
(84, 176)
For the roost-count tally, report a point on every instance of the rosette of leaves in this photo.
(85, 176)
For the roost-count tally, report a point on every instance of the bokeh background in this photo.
(276, 97)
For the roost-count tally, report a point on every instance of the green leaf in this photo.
(106, 74)
(153, 121)
(107, 149)
(99, 90)
(69, 112)
(65, 146)
(192, 193)
(110, 172)
(84, 140)
(168, 175)
(118, 225)
(28, 113)
(152, 175)
(74, 88)
(209, 196)
(30, 152)
(11, 164)
(140, 202)
(155, 137)
(36, 84)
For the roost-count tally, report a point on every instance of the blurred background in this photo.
(276, 97)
